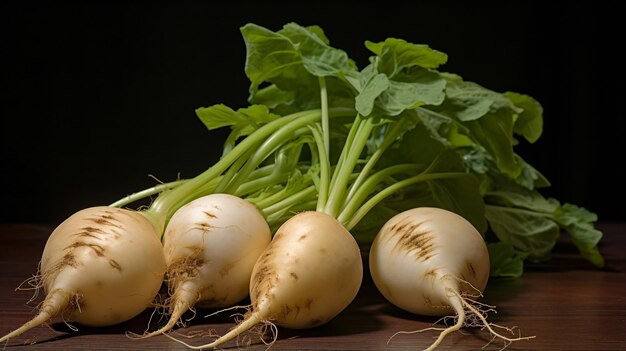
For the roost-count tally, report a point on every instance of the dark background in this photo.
(97, 96)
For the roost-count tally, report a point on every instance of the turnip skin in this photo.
(431, 251)
(310, 272)
(211, 245)
(431, 261)
(101, 266)
(310, 251)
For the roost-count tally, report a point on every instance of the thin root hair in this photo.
(209, 333)
(467, 292)
(265, 328)
(34, 283)
(133, 335)
(470, 313)
(481, 315)
(190, 336)
(248, 308)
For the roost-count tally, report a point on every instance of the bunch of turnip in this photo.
(325, 154)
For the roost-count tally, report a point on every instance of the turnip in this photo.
(101, 266)
(431, 261)
(211, 245)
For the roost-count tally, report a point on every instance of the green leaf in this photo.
(272, 97)
(220, 115)
(370, 84)
(397, 54)
(532, 223)
(529, 122)
(391, 95)
(489, 118)
(271, 57)
(242, 122)
(318, 57)
(411, 89)
(532, 233)
(524, 199)
(459, 194)
(469, 101)
(504, 261)
(443, 128)
(399, 78)
(494, 132)
(290, 57)
(578, 222)
(417, 145)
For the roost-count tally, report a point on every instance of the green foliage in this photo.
(461, 137)
(365, 144)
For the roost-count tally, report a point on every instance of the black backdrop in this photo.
(98, 95)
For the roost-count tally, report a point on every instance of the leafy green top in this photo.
(364, 144)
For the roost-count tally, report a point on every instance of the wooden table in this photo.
(565, 303)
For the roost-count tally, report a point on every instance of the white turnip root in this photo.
(309, 273)
(211, 245)
(101, 266)
(431, 261)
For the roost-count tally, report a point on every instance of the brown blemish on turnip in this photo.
(412, 239)
(308, 303)
(209, 214)
(225, 269)
(105, 220)
(115, 265)
(470, 268)
(99, 250)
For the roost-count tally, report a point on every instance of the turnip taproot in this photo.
(431, 261)
(309, 273)
(211, 245)
(101, 266)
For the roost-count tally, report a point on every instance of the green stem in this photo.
(232, 172)
(396, 130)
(290, 201)
(281, 194)
(256, 184)
(293, 130)
(345, 150)
(370, 185)
(337, 192)
(324, 169)
(324, 107)
(164, 206)
(140, 195)
(374, 200)
(519, 210)
(277, 218)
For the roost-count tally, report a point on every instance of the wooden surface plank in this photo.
(566, 303)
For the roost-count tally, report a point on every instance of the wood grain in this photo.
(566, 303)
